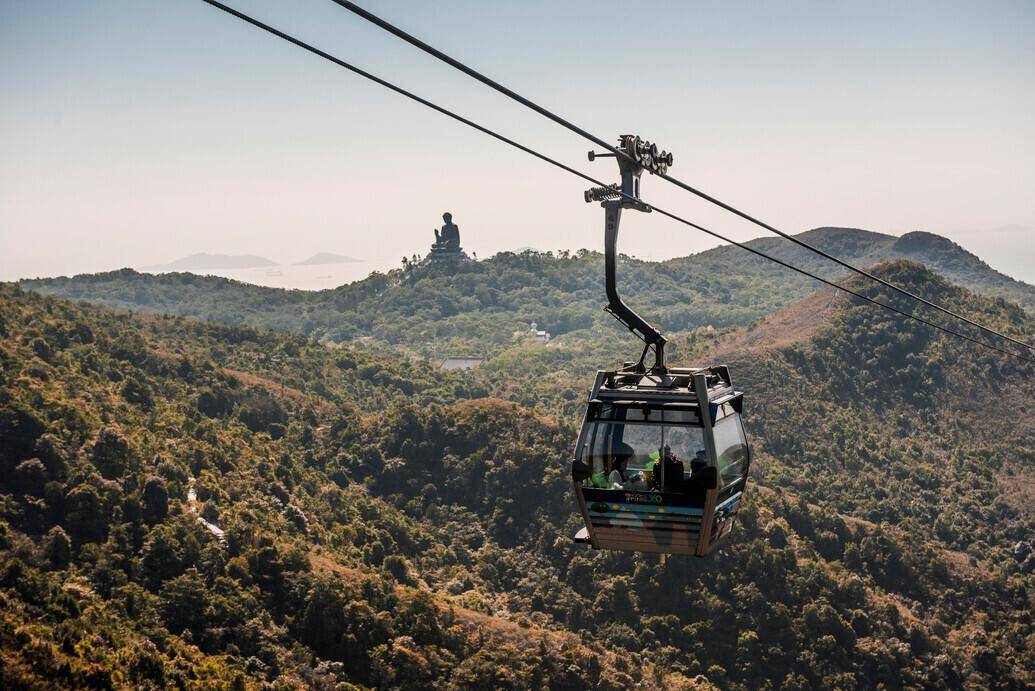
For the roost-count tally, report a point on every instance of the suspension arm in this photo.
(615, 306)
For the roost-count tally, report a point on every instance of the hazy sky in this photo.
(136, 131)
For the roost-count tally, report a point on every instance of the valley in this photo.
(388, 524)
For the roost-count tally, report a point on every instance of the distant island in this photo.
(328, 258)
(209, 262)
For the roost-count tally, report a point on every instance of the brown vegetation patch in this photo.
(493, 404)
(271, 386)
(324, 565)
(488, 403)
(492, 630)
(1017, 486)
(795, 325)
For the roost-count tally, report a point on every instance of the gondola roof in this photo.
(675, 386)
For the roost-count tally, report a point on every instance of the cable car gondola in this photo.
(661, 461)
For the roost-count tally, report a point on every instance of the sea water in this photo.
(302, 277)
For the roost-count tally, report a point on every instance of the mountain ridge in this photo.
(479, 305)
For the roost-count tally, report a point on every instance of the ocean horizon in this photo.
(297, 277)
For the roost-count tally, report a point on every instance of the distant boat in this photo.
(328, 258)
(209, 262)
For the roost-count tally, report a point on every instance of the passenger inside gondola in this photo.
(669, 473)
(621, 477)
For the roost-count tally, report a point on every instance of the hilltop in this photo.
(864, 248)
(478, 305)
(389, 525)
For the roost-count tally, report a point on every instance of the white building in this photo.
(541, 336)
(460, 362)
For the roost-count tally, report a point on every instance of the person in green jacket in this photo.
(654, 457)
(599, 478)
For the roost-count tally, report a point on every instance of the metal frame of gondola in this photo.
(705, 390)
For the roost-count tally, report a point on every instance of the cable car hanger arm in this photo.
(637, 155)
(616, 307)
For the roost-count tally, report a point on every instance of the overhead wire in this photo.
(562, 166)
(493, 84)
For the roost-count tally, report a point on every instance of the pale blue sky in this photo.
(137, 131)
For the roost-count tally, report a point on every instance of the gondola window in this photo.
(646, 442)
(731, 449)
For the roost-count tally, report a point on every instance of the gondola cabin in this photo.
(661, 461)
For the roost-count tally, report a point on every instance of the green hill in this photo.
(478, 306)
(390, 526)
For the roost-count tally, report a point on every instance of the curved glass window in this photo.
(731, 449)
(640, 446)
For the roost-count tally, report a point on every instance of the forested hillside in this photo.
(477, 307)
(386, 525)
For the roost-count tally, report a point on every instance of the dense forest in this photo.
(188, 504)
(477, 307)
